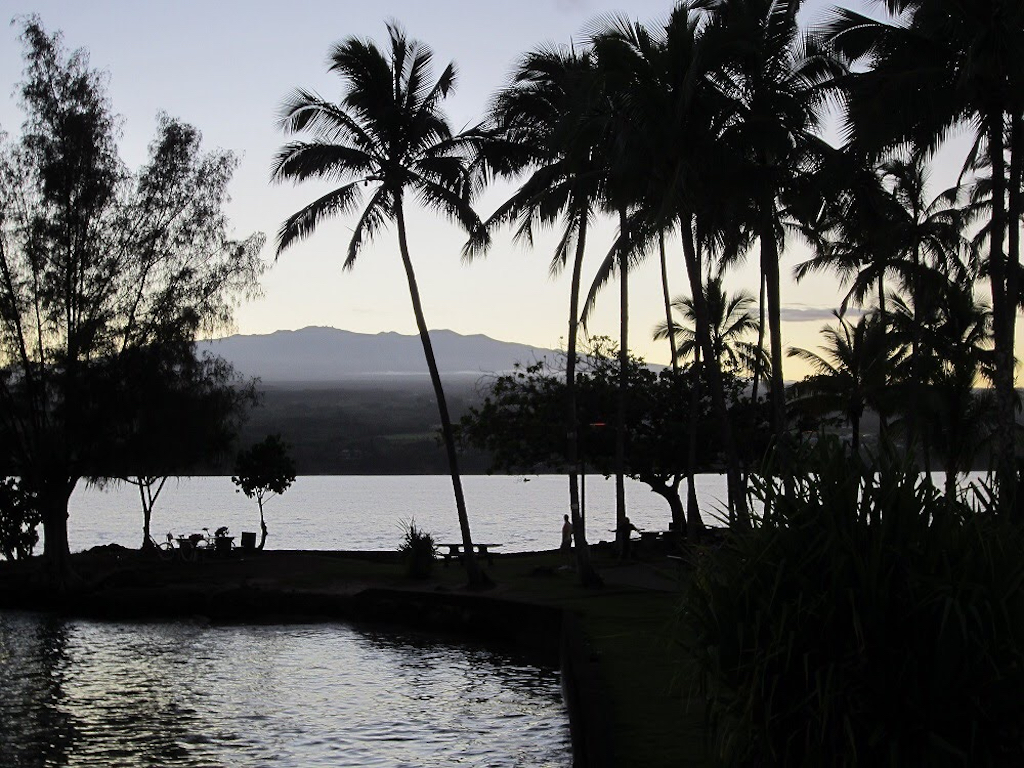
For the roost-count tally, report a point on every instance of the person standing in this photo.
(566, 534)
(624, 533)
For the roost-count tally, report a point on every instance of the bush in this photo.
(19, 520)
(418, 551)
(865, 620)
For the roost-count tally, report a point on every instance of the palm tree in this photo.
(388, 135)
(931, 67)
(731, 322)
(854, 370)
(879, 223)
(601, 133)
(673, 161)
(953, 334)
(538, 126)
(762, 65)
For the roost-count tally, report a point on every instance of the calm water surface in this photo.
(80, 693)
(366, 512)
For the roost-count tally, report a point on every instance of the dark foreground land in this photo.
(618, 646)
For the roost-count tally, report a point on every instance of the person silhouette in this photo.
(566, 533)
(624, 531)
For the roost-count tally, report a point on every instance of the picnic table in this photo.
(454, 552)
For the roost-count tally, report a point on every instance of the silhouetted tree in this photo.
(19, 520)
(925, 70)
(766, 68)
(262, 471)
(184, 414)
(97, 262)
(388, 133)
(517, 422)
(856, 368)
(537, 122)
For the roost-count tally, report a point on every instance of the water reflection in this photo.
(34, 727)
(77, 693)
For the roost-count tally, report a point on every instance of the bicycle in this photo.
(165, 550)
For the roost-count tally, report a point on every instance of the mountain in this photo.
(322, 355)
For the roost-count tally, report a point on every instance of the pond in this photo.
(83, 693)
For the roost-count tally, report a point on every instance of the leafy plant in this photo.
(865, 620)
(418, 550)
(19, 520)
(264, 470)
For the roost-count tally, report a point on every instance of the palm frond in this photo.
(302, 160)
(304, 222)
(373, 218)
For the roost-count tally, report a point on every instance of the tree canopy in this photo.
(263, 470)
(107, 275)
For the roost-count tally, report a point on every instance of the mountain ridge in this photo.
(321, 354)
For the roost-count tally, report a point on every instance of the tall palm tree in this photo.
(674, 160)
(539, 126)
(931, 67)
(604, 129)
(770, 74)
(731, 322)
(952, 333)
(879, 223)
(854, 370)
(389, 135)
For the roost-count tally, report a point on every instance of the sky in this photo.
(226, 66)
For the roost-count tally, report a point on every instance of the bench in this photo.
(454, 552)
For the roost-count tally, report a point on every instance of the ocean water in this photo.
(368, 512)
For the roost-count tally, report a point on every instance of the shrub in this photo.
(19, 520)
(418, 551)
(865, 620)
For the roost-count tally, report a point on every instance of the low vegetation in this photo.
(418, 551)
(864, 620)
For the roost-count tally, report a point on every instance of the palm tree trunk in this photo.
(770, 270)
(588, 576)
(474, 573)
(1013, 262)
(620, 415)
(759, 359)
(883, 424)
(916, 427)
(669, 325)
(1003, 317)
(758, 368)
(737, 495)
(1014, 215)
(694, 523)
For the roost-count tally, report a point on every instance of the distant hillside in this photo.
(323, 355)
(385, 425)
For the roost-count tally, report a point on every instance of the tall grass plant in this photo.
(865, 620)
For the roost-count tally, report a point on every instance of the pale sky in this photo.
(226, 65)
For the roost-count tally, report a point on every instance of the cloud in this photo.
(572, 6)
(802, 314)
